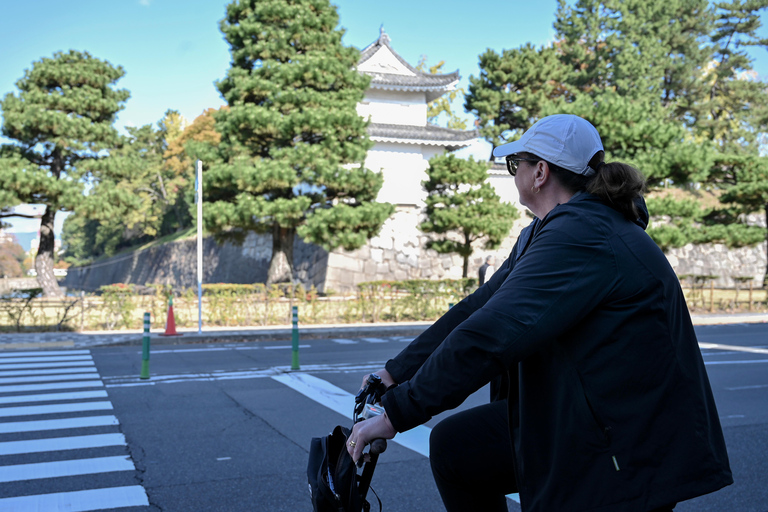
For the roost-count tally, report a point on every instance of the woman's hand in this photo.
(386, 378)
(377, 427)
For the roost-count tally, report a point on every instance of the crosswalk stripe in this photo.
(52, 397)
(46, 353)
(57, 385)
(60, 424)
(47, 371)
(61, 443)
(32, 410)
(43, 378)
(65, 364)
(45, 359)
(80, 501)
(60, 468)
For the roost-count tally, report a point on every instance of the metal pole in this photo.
(199, 200)
(295, 337)
(145, 349)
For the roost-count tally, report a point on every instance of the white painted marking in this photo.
(79, 501)
(60, 424)
(61, 443)
(224, 458)
(342, 341)
(46, 371)
(741, 388)
(66, 364)
(61, 468)
(45, 359)
(52, 397)
(286, 346)
(718, 346)
(736, 362)
(132, 381)
(335, 398)
(46, 353)
(44, 378)
(32, 410)
(376, 340)
(56, 385)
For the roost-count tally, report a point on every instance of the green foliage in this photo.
(118, 306)
(463, 208)
(291, 140)
(670, 88)
(60, 119)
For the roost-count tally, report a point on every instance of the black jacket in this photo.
(610, 406)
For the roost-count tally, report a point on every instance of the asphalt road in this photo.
(226, 427)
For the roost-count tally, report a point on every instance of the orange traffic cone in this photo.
(170, 323)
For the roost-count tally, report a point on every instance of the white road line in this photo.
(285, 346)
(47, 371)
(32, 410)
(335, 398)
(132, 381)
(66, 364)
(57, 386)
(60, 424)
(46, 353)
(47, 359)
(742, 388)
(61, 443)
(707, 363)
(42, 378)
(79, 501)
(376, 340)
(719, 346)
(62, 468)
(52, 397)
(342, 341)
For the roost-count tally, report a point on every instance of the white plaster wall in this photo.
(505, 188)
(394, 107)
(404, 168)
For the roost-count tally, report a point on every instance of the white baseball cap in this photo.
(565, 140)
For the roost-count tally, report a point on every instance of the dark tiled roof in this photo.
(429, 135)
(433, 85)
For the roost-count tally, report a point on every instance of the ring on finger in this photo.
(352, 443)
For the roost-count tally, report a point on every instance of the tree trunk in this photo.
(45, 254)
(281, 264)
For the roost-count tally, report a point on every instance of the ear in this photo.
(541, 174)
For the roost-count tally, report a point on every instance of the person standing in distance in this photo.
(601, 400)
(486, 270)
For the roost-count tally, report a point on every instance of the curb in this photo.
(64, 340)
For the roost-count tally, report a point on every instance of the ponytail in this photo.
(618, 184)
(615, 183)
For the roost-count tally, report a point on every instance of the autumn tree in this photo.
(292, 144)
(462, 208)
(61, 117)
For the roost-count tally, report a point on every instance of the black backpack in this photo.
(333, 480)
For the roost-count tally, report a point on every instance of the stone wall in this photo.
(397, 253)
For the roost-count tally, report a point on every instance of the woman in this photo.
(601, 398)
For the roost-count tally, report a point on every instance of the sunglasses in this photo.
(514, 161)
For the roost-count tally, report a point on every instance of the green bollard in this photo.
(295, 358)
(145, 349)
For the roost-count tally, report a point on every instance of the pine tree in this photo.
(61, 118)
(461, 204)
(292, 143)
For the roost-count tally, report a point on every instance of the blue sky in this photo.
(172, 50)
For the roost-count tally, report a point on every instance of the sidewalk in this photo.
(53, 340)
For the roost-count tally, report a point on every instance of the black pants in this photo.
(471, 457)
